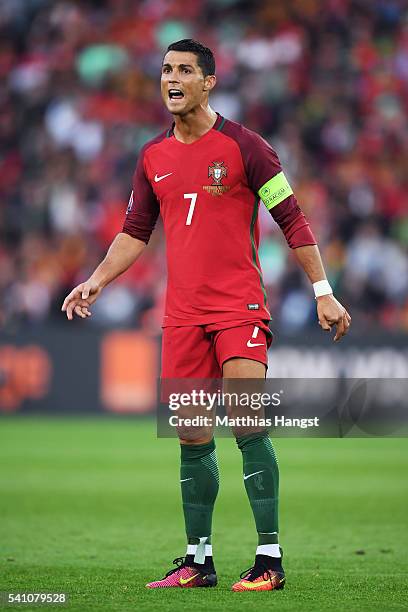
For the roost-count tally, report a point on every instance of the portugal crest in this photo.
(217, 171)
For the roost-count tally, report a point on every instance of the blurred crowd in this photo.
(325, 82)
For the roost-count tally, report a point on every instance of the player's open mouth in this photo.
(175, 94)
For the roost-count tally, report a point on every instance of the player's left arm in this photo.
(267, 179)
(329, 311)
(282, 204)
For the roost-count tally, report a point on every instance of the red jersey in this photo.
(208, 195)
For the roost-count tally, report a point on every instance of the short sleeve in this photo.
(143, 208)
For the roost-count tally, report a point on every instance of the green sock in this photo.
(261, 478)
(199, 480)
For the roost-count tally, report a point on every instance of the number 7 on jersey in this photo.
(193, 198)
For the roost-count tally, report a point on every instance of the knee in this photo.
(194, 436)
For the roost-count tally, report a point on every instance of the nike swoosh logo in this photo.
(160, 178)
(254, 335)
(253, 474)
(251, 344)
(187, 580)
(254, 585)
(185, 479)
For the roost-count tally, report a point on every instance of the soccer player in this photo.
(206, 177)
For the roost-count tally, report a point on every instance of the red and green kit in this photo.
(208, 194)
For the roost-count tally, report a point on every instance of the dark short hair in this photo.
(205, 57)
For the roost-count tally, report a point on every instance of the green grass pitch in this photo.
(91, 507)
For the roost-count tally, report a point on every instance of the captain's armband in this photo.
(274, 191)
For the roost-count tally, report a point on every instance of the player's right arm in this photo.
(122, 253)
(126, 248)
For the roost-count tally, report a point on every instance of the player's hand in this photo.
(80, 299)
(331, 312)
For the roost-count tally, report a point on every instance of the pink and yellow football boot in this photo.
(263, 576)
(186, 577)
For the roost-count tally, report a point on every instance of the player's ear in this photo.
(209, 82)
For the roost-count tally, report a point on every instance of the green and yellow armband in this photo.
(275, 190)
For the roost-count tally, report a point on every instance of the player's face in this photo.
(183, 85)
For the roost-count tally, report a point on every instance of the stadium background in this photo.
(326, 83)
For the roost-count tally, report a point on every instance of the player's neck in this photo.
(189, 128)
